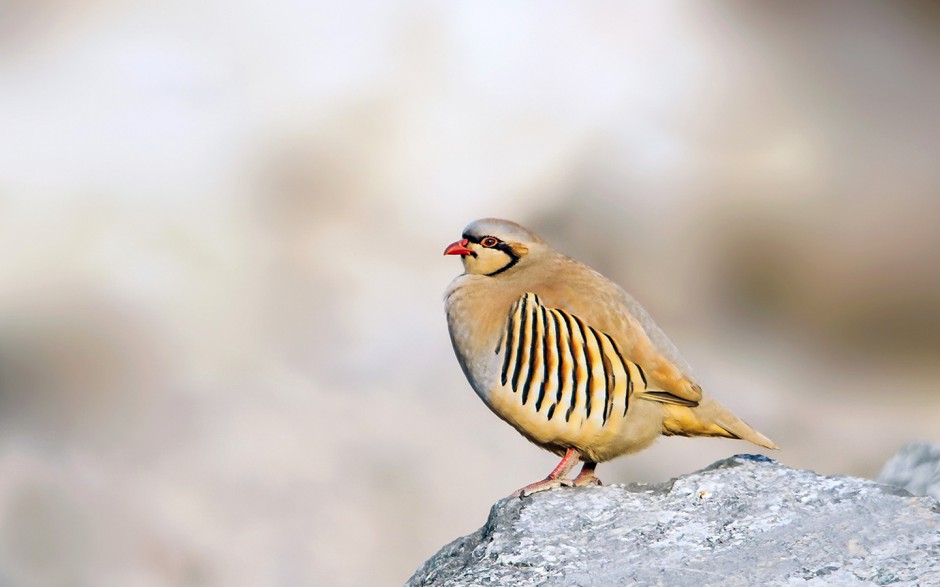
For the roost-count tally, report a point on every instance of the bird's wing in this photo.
(607, 307)
(650, 347)
(656, 335)
(550, 355)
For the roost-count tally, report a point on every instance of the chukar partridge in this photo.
(567, 357)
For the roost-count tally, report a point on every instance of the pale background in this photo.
(223, 356)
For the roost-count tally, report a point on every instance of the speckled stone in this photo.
(747, 520)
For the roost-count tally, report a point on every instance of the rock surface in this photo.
(915, 468)
(747, 520)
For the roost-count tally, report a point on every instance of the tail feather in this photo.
(710, 418)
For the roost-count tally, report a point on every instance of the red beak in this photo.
(458, 248)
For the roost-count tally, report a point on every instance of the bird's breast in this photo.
(476, 316)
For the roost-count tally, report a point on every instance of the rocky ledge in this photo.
(747, 520)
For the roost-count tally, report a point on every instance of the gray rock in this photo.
(747, 520)
(915, 468)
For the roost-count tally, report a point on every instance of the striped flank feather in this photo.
(561, 367)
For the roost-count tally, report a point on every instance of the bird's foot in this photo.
(586, 480)
(543, 485)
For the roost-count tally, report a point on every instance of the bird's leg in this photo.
(555, 479)
(587, 477)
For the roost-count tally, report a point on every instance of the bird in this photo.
(568, 358)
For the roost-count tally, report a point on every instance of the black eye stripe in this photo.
(513, 258)
(506, 248)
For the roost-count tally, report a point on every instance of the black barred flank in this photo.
(626, 372)
(560, 378)
(575, 369)
(554, 358)
(565, 363)
(517, 369)
(610, 384)
(642, 374)
(546, 355)
(534, 333)
(588, 367)
(589, 361)
(509, 336)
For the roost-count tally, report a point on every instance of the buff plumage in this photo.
(567, 357)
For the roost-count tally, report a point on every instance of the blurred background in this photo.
(223, 354)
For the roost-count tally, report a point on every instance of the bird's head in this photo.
(492, 246)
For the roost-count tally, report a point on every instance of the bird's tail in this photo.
(710, 418)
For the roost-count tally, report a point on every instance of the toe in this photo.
(543, 485)
(591, 481)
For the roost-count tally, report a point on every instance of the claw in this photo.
(556, 478)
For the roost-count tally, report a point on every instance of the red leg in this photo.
(554, 479)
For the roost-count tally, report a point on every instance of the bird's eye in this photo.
(490, 241)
